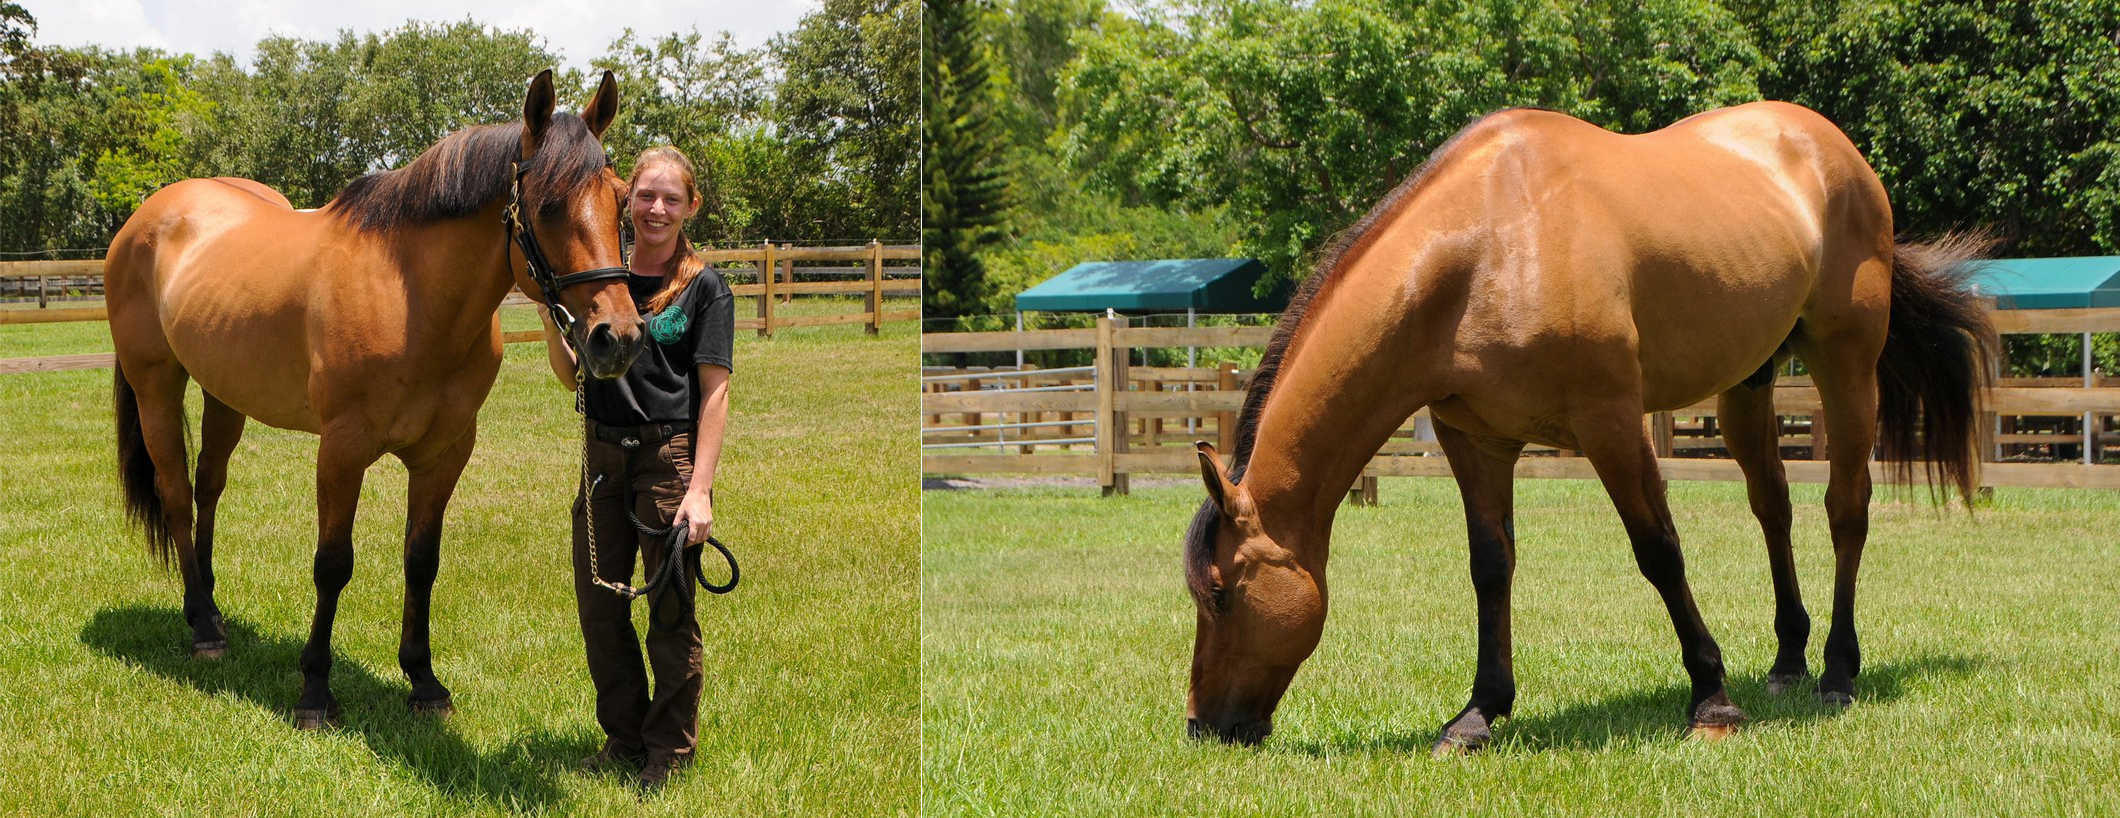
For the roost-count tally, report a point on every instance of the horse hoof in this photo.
(209, 650)
(441, 708)
(1836, 698)
(1711, 732)
(1453, 747)
(1780, 683)
(315, 719)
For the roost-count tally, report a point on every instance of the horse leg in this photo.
(1848, 390)
(222, 429)
(1620, 450)
(432, 481)
(342, 462)
(1753, 435)
(1484, 468)
(158, 393)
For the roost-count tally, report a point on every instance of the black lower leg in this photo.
(1657, 553)
(1843, 653)
(415, 654)
(317, 707)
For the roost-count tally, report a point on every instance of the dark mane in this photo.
(1200, 537)
(468, 170)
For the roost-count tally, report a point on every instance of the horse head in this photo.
(572, 213)
(1261, 608)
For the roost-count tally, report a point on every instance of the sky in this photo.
(578, 30)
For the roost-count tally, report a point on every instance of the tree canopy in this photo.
(1264, 127)
(806, 139)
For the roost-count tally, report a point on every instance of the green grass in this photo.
(811, 697)
(1057, 635)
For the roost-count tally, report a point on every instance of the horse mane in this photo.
(468, 170)
(1200, 537)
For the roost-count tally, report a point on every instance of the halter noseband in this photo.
(540, 269)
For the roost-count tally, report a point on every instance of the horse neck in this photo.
(457, 271)
(1345, 384)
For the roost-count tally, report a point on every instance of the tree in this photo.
(966, 194)
(710, 101)
(1299, 116)
(310, 116)
(849, 104)
(2004, 114)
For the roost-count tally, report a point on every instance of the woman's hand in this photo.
(696, 511)
(557, 353)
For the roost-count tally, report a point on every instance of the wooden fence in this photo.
(863, 270)
(1073, 422)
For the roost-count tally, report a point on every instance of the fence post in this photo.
(1818, 436)
(1660, 427)
(1111, 423)
(41, 291)
(765, 298)
(875, 286)
(787, 273)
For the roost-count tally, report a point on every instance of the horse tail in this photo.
(143, 504)
(1939, 357)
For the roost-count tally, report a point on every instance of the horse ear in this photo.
(603, 107)
(537, 111)
(1211, 473)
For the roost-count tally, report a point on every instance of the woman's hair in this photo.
(684, 263)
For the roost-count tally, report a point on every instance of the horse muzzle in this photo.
(1230, 731)
(607, 353)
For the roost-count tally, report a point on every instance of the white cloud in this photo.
(578, 30)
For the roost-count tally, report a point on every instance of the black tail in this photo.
(1938, 360)
(143, 505)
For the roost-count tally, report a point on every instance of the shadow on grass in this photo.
(1655, 714)
(519, 777)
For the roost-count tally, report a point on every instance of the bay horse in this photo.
(1542, 280)
(370, 323)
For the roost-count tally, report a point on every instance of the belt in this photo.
(630, 437)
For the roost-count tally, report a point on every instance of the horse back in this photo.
(213, 276)
(1684, 257)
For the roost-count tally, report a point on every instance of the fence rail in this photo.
(878, 278)
(1132, 410)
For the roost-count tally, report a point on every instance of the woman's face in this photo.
(658, 205)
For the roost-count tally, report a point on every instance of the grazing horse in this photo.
(1542, 280)
(370, 323)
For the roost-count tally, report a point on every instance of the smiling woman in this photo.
(652, 438)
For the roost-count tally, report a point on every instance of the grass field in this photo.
(811, 704)
(1056, 637)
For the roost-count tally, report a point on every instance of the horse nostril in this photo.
(602, 341)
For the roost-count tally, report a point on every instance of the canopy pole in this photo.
(2090, 419)
(1019, 348)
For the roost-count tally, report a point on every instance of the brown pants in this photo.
(648, 480)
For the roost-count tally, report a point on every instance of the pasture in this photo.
(1057, 635)
(811, 699)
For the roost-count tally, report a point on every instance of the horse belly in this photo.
(246, 347)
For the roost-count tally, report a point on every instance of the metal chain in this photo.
(596, 574)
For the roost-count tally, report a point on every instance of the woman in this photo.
(654, 435)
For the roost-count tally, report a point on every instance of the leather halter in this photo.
(541, 270)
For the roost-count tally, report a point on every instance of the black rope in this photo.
(669, 578)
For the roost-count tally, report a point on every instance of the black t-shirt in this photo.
(663, 383)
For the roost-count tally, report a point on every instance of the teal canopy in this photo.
(2050, 283)
(1221, 285)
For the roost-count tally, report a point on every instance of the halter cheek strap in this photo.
(525, 239)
